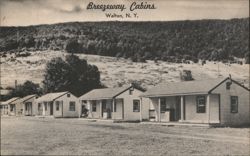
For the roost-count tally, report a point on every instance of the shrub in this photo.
(72, 46)
(186, 75)
(203, 62)
(247, 58)
(195, 60)
(23, 54)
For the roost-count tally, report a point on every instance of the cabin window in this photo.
(234, 104)
(68, 95)
(57, 105)
(136, 106)
(72, 106)
(163, 105)
(201, 104)
(94, 106)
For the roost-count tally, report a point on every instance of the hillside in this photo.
(115, 72)
(169, 41)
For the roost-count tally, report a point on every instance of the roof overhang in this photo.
(177, 94)
(103, 98)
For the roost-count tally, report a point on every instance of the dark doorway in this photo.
(51, 108)
(106, 109)
(178, 108)
(40, 110)
(84, 111)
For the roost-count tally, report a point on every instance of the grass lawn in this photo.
(49, 136)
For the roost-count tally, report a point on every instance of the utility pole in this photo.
(15, 84)
(218, 69)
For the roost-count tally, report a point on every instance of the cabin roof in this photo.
(10, 100)
(20, 100)
(51, 96)
(104, 93)
(184, 88)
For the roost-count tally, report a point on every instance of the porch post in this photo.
(24, 110)
(182, 108)
(90, 109)
(141, 109)
(15, 109)
(208, 108)
(80, 108)
(100, 108)
(8, 109)
(43, 108)
(113, 108)
(159, 109)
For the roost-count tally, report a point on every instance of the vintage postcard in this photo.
(124, 77)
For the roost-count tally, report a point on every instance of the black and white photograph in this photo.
(124, 77)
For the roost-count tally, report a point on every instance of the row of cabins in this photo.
(215, 101)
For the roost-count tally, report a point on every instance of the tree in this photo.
(137, 85)
(247, 58)
(27, 88)
(73, 74)
(72, 46)
(186, 75)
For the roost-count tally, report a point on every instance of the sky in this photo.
(34, 12)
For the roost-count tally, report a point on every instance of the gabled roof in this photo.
(51, 96)
(104, 93)
(20, 100)
(184, 88)
(10, 101)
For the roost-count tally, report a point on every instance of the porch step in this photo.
(177, 124)
(96, 120)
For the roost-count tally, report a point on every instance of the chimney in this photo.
(228, 84)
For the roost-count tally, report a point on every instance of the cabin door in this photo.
(177, 113)
(106, 109)
(40, 109)
(84, 111)
(51, 108)
(28, 108)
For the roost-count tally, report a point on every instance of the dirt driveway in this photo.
(49, 136)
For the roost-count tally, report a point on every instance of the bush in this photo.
(72, 46)
(23, 54)
(186, 75)
(9, 88)
(195, 60)
(4, 55)
(203, 62)
(247, 58)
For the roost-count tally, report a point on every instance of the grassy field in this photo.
(115, 72)
(49, 136)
